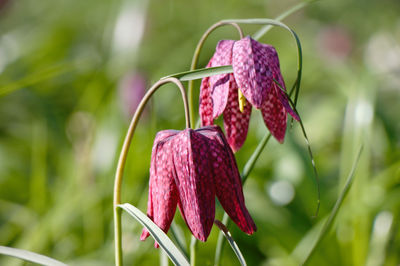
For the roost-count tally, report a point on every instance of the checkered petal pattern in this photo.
(236, 123)
(256, 70)
(189, 168)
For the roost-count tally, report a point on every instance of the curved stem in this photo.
(124, 154)
(196, 55)
(273, 22)
(193, 248)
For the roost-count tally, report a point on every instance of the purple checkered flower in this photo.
(189, 168)
(255, 70)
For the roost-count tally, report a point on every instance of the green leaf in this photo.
(30, 256)
(162, 239)
(334, 211)
(201, 73)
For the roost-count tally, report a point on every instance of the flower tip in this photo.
(252, 229)
(202, 238)
(145, 234)
(296, 116)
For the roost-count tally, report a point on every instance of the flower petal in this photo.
(274, 115)
(163, 194)
(205, 104)
(193, 178)
(227, 180)
(236, 123)
(219, 83)
(284, 100)
(251, 70)
(276, 73)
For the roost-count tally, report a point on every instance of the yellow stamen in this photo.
(242, 101)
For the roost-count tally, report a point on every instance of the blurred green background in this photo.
(72, 72)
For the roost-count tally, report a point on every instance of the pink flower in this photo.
(255, 70)
(189, 168)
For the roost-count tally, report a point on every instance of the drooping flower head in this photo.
(189, 168)
(255, 73)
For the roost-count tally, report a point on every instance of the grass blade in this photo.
(35, 78)
(30, 256)
(282, 16)
(335, 209)
(162, 239)
(201, 73)
(231, 242)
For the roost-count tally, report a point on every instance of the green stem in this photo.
(193, 248)
(245, 173)
(193, 66)
(221, 241)
(196, 59)
(124, 155)
(307, 143)
(261, 32)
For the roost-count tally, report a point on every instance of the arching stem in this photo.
(196, 59)
(124, 154)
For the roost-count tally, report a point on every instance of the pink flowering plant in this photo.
(192, 167)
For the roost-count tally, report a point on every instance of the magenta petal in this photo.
(277, 76)
(219, 83)
(236, 123)
(285, 102)
(227, 180)
(205, 104)
(194, 180)
(274, 115)
(251, 70)
(163, 194)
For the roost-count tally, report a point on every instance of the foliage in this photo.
(62, 122)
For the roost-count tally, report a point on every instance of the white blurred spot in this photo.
(129, 27)
(289, 168)
(382, 224)
(363, 113)
(382, 53)
(104, 150)
(281, 192)
(9, 50)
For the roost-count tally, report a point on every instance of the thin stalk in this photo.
(221, 241)
(307, 143)
(245, 173)
(193, 248)
(261, 32)
(248, 167)
(232, 242)
(193, 66)
(124, 154)
(196, 55)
